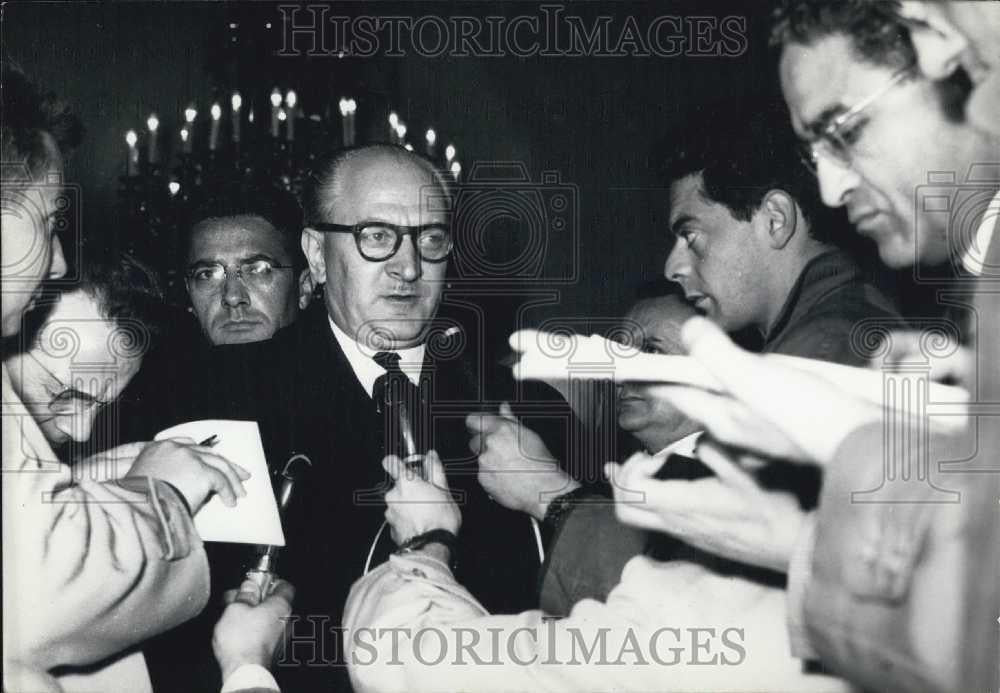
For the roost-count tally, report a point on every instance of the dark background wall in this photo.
(592, 120)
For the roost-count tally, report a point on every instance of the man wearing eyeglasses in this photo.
(244, 274)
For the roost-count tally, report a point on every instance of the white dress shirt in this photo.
(411, 360)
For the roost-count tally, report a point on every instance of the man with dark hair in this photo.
(752, 241)
(113, 314)
(244, 272)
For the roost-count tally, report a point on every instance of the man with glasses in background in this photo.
(244, 272)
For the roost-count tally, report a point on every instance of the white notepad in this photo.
(254, 519)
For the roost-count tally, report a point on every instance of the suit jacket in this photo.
(90, 569)
(301, 389)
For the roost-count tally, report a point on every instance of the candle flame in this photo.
(237, 101)
(276, 97)
(456, 168)
(216, 111)
(174, 187)
(190, 114)
(131, 138)
(431, 137)
(393, 120)
(401, 130)
(348, 107)
(184, 134)
(282, 116)
(291, 99)
(449, 152)
(250, 116)
(152, 122)
(408, 147)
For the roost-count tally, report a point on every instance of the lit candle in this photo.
(213, 136)
(282, 116)
(290, 100)
(250, 116)
(275, 107)
(449, 152)
(132, 163)
(189, 115)
(153, 123)
(186, 140)
(348, 107)
(393, 122)
(431, 138)
(456, 168)
(400, 131)
(173, 187)
(237, 102)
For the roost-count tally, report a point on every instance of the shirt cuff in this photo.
(799, 576)
(249, 676)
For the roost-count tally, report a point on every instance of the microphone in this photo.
(264, 571)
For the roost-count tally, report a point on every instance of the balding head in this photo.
(396, 297)
(654, 325)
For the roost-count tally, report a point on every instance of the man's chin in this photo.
(258, 333)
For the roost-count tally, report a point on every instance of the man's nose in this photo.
(57, 266)
(234, 291)
(836, 181)
(406, 264)
(678, 264)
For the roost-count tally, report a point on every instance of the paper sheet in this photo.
(254, 519)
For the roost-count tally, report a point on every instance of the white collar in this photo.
(411, 360)
(684, 447)
(974, 258)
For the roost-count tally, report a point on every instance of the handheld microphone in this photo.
(264, 571)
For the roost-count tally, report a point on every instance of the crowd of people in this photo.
(777, 532)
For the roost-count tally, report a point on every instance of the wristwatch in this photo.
(434, 536)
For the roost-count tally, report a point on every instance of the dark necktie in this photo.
(398, 400)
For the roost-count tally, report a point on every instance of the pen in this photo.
(210, 441)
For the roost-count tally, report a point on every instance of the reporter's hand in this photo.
(194, 470)
(515, 467)
(949, 362)
(415, 506)
(768, 407)
(251, 628)
(728, 514)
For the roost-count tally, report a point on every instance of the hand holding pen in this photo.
(193, 469)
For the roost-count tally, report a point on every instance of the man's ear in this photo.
(938, 43)
(312, 248)
(781, 215)
(306, 287)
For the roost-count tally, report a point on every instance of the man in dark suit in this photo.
(377, 238)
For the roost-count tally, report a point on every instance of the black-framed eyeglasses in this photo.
(836, 139)
(211, 276)
(380, 240)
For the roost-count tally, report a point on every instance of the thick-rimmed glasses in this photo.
(211, 276)
(380, 240)
(836, 139)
